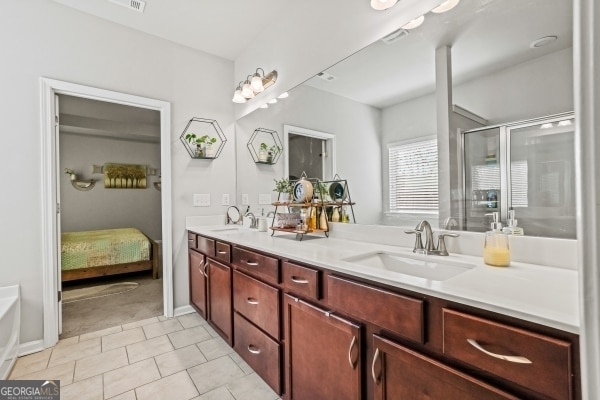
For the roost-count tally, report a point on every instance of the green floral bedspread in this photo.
(104, 247)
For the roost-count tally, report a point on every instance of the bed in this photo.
(89, 254)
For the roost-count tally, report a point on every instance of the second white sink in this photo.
(434, 268)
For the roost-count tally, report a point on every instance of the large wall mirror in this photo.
(502, 71)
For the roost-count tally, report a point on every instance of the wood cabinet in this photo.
(197, 265)
(401, 373)
(323, 353)
(220, 312)
(312, 333)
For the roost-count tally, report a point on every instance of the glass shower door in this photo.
(542, 176)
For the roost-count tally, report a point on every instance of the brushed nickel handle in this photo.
(514, 359)
(252, 301)
(221, 252)
(204, 269)
(376, 378)
(251, 263)
(299, 280)
(350, 360)
(253, 349)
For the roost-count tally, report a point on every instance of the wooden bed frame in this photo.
(106, 270)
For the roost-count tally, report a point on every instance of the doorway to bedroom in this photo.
(110, 214)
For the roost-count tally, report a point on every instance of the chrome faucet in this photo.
(253, 220)
(429, 248)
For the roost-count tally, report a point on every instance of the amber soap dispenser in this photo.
(495, 251)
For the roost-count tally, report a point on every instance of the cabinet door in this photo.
(219, 299)
(197, 282)
(322, 354)
(401, 373)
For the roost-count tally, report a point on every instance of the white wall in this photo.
(41, 38)
(356, 128)
(102, 208)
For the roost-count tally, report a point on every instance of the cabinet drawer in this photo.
(261, 352)
(257, 301)
(538, 362)
(258, 264)
(191, 240)
(300, 280)
(223, 252)
(205, 245)
(399, 314)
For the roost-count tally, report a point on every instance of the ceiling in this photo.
(485, 36)
(221, 28)
(381, 74)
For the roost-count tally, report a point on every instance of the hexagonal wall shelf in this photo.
(203, 138)
(265, 146)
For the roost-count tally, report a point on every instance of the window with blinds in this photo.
(413, 171)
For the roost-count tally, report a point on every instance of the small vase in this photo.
(262, 155)
(284, 197)
(210, 151)
(199, 151)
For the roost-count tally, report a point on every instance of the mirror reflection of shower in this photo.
(306, 154)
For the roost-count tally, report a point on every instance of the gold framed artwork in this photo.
(124, 176)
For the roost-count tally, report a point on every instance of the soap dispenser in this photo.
(496, 251)
(512, 228)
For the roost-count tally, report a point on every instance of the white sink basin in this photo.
(431, 267)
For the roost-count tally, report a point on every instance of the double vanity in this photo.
(345, 319)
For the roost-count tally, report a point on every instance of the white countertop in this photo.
(536, 293)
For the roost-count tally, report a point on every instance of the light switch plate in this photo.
(245, 199)
(264, 198)
(225, 199)
(201, 200)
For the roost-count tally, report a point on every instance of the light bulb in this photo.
(283, 95)
(272, 101)
(264, 106)
(414, 23)
(238, 97)
(445, 6)
(256, 83)
(382, 4)
(247, 91)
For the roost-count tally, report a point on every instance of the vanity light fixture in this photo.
(382, 4)
(253, 85)
(445, 6)
(414, 23)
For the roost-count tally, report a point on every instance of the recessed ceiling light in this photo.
(263, 106)
(283, 95)
(547, 125)
(382, 4)
(445, 6)
(565, 122)
(543, 41)
(272, 101)
(414, 23)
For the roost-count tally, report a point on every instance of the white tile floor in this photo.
(173, 359)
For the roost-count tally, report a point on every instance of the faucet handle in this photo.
(418, 242)
(441, 247)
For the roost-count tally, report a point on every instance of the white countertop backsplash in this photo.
(540, 286)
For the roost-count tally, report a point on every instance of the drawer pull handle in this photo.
(204, 269)
(252, 263)
(253, 349)
(252, 301)
(221, 252)
(376, 378)
(514, 359)
(299, 280)
(350, 360)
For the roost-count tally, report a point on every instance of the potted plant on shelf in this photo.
(204, 145)
(284, 187)
(266, 153)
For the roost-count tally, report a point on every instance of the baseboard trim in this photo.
(31, 347)
(183, 310)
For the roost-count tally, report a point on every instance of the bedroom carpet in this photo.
(98, 313)
(93, 292)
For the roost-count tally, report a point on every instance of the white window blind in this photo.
(414, 176)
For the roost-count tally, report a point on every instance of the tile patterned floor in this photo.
(180, 358)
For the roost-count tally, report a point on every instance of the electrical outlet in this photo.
(201, 200)
(225, 199)
(245, 199)
(264, 198)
